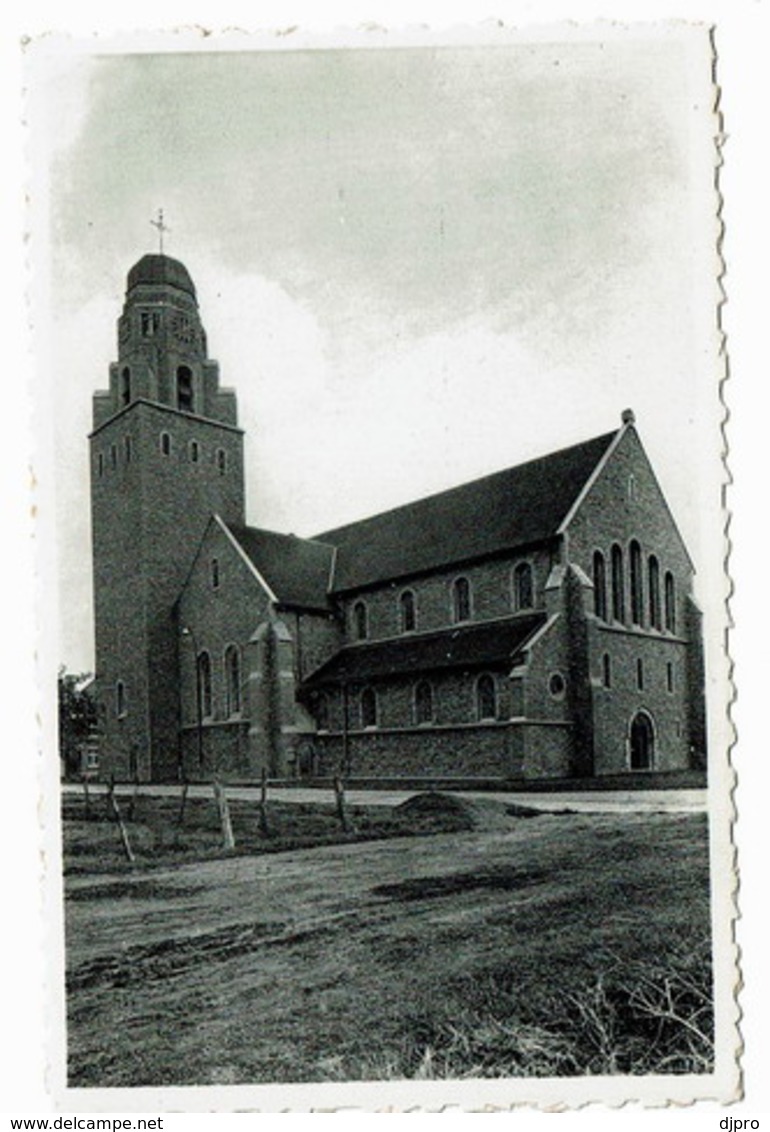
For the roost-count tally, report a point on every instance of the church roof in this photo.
(160, 269)
(297, 570)
(465, 646)
(513, 508)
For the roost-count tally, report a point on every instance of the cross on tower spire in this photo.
(160, 225)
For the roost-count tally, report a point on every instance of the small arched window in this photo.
(204, 685)
(368, 708)
(125, 386)
(233, 680)
(221, 461)
(423, 702)
(653, 587)
(322, 711)
(215, 573)
(120, 699)
(127, 448)
(407, 611)
(669, 676)
(486, 697)
(637, 587)
(194, 451)
(100, 464)
(640, 674)
(523, 597)
(618, 585)
(600, 586)
(165, 444)
(185, 398)
(606, 670)
(461, 600)
(360, 621)
(670, 602)
(114, 455)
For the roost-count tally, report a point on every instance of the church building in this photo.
(537, 623)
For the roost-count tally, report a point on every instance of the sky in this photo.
(415, 265)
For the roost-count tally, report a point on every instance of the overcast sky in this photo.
(415, 266)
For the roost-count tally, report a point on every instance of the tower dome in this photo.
(154, 269)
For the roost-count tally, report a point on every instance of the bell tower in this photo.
(166, 452)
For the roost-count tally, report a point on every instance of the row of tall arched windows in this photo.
(659, 609)
(461, 603)
(423, 704)
(114, 455)
(232, 675)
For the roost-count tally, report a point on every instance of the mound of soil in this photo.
(455, 813)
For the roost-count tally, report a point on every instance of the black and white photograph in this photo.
(380, 430)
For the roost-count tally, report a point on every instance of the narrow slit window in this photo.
(653, 583)
(600, 586)
(461, 600)
(607, 670)
(670, 602)
(368, 708)
(407, 609)
(423, 703)
(360, 621)
(233, 680)
(486, 698)
(523, 597)
(185, 398)
(618, 596)
(204, 686)
(120, 699)
(165, 444)
(637, 596)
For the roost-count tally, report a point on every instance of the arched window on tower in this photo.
(600, 586)
(653, 585)
(522, 586)
(618, 585)
(486, 697)
(204, 685)
(360, 621)
(125, 386)
(233, 680)
(637, 586)
(120, 699)
(221, 461)
(423, 702)
(461, 600)
(165, 444)
(407, 611)
(185, 400)
(670, 602)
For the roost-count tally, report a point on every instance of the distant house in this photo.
(538, 622)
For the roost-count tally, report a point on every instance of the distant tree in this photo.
(77, 717)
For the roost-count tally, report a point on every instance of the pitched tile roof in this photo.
(296, 569)
(502, 511)
(462, 647)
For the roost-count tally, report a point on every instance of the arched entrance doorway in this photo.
(642, 742)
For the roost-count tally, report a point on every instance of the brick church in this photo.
(535, 623)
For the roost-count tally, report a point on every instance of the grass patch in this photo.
(92, 841)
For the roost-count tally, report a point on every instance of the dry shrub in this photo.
(640, 1017)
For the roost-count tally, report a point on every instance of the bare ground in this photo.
(357, 960)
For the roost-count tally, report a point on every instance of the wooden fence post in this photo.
(228, 841)
(263, 826)
(339, 797)
(182, 802)
(121, 826)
